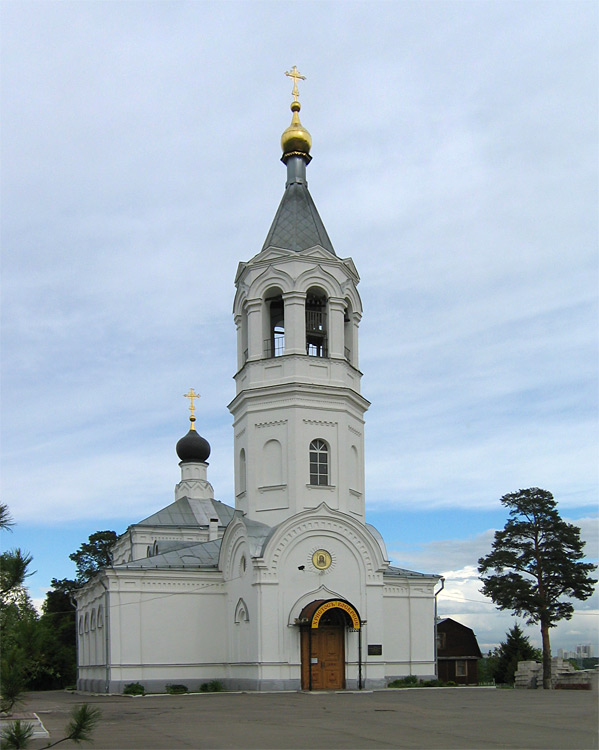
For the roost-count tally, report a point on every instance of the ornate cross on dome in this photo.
(297, 76)
(191, 395)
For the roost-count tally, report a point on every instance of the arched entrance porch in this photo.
(323, 624)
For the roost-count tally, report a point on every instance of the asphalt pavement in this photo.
(436, 719)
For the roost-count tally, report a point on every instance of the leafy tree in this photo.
(59, 634)
(93, 555)
(516, 647)
(534, 563)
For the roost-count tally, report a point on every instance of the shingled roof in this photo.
(297, 225)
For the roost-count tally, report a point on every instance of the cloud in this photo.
(461, 597)
(140, 165)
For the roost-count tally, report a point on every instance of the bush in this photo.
(408, 681)
(134, 688)
(412, 681)
(176, 689)
(214, 686)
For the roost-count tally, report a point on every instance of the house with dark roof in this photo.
(457, 652)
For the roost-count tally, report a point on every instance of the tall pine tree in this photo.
(534, 563)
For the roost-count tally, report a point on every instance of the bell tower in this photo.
(298, 413)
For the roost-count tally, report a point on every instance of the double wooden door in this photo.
(325, 658)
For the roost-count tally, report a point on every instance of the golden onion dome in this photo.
(296, 138)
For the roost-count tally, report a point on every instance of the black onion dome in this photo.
(193, 447)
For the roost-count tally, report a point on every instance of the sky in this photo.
(454, 159)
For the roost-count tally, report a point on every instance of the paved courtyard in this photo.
(439, 719)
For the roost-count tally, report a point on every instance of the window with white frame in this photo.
(461, 669)
(319, 462)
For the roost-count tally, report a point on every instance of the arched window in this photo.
(275, 343)
(272, 463)
(348, 332)
(244, 336)
(354, 469)
(316, 324)
(242, 471)
(319, 462)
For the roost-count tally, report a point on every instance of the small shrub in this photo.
(403, 682)
(451, 683)
(176, 689)
(214, 686)
(134, 688)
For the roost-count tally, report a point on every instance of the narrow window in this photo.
(316, 324)
(275, 344)
(319, 462)
(348, 332)
(244, 336)
(460, 668)
(242, 471)
(272, 464)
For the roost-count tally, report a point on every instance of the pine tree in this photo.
(534, 563)
(516, 647)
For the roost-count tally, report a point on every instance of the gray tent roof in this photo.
(190, 512)
(297, 225)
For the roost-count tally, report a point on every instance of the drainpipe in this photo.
(436, 594)
(360, 657)
(74, 604)
(106, 635)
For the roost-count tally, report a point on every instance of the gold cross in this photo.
(296, 75)
(191, 395)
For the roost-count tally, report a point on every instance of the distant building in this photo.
(457, 653)
(584, 651)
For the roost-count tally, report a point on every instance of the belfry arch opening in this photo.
(274, 343)
(348, 332)
(316, 323)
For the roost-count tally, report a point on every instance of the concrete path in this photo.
(427, 718)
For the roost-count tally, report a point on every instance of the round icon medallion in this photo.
(321, 559)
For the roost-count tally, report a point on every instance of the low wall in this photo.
(529, 676)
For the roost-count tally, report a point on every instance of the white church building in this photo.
(290, 588)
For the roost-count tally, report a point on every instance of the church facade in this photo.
(290, 588)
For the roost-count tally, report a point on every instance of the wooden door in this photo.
(327, 658)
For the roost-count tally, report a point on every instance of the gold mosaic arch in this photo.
(336, 604)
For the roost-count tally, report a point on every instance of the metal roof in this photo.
(405, 573)
(297, 225)
(201, 555)
(190, 512)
